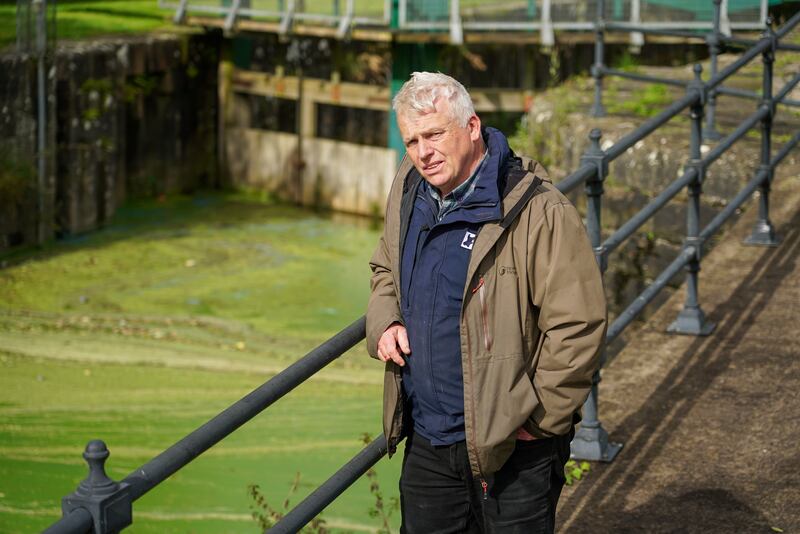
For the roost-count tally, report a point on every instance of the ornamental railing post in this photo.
(591, 440)
(597, 69)
(763, 232)
(691, 320)
(108, 502)
(713, 40)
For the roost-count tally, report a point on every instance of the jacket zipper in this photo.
(487, 335)
(484, 484)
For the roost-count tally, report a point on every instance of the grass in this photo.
(80, 19)
(141, 332)
(644, 102)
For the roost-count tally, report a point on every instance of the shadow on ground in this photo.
(703, 452)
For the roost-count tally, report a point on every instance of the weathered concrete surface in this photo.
(711, 425)
(337, 175)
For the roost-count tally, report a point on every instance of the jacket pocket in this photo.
(487, 334)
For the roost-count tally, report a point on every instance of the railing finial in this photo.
(108, 502)
(97, 483)
(698, 71)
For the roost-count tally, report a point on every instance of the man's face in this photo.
(441, 150)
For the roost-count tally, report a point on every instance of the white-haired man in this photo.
(488, 309)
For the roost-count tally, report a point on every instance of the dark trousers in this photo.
(438, 493)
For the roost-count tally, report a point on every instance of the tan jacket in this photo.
(533, 319)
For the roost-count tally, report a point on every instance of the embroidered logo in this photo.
(469, 240)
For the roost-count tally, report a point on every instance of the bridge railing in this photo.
(102, 505)
(455, 16)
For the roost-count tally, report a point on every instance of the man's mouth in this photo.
(432, 166)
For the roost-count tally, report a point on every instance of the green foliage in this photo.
(554, 67)
(627, 62)
(380, 509)
(80, 19)
(100, 85)
(180, 307)
(644, 102)
(267, 516)
(91, 114)
(139, 85)
(575, 471)
(537, 134)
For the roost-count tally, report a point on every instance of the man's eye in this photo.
(436, 135)
(411, 143)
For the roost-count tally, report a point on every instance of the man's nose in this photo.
(424, 149)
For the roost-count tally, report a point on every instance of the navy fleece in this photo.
(433, 273)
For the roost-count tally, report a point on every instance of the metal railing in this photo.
(102, 505)
(456, 16)
(591, 441)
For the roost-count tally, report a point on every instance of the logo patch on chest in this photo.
(469, 240)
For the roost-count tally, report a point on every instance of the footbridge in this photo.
(703, 396)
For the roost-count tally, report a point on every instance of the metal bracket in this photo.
(697, 243)
(724, 19)
(596, 156)
(763, 233)
(696, 185)
(180, 13)
(591, 439)
(546, 29)
(108, 502)
(691, 321)
(771, 106)
(592, 444)
(230, 19)
(601, 256)
(346, 22)
(288, 18)
(697, 85)
(456, 31)
(769, 33)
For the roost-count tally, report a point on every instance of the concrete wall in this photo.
(334, 174)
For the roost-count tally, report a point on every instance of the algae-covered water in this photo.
(142, 331)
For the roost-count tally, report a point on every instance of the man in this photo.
(488, 308)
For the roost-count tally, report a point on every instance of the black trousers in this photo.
(438, 493)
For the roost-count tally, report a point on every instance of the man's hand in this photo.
(395, 337)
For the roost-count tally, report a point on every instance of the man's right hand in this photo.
(392, 342)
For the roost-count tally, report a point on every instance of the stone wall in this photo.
(130, 117)
(21, 197)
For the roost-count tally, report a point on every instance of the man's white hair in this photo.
(420, 93)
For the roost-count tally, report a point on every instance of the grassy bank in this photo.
(79, 19)
(139, 333)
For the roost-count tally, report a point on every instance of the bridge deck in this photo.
(711, 425)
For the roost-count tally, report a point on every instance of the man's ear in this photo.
(474, 125)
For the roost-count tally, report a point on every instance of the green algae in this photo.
(142, 331)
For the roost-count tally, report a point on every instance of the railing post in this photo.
(597, 69)
(591, 440)
(691, 320)
(713, 41)
(456, 31)
(637, 38)
(548, 38)
(108, 502)
(763, 231)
